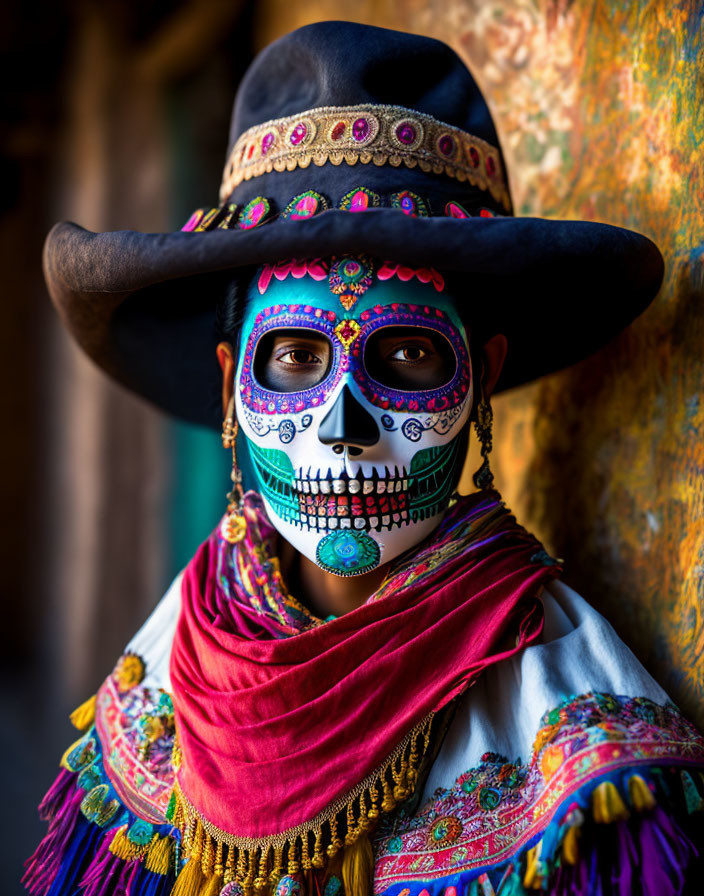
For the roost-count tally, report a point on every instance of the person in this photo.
(336, 694)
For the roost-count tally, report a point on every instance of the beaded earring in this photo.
(235, 525)
(484, 478)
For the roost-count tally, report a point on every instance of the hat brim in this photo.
(142, 305)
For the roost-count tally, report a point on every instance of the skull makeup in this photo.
(353, 470)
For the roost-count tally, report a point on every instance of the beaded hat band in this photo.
(365, 134)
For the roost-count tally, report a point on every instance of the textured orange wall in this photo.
(600, 110)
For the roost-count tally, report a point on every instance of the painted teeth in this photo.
(392, 482)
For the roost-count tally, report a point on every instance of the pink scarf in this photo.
(279, 714)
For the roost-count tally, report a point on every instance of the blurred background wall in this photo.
(115, 114)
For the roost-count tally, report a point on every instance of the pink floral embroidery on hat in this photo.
(426, 275)
(297, 268)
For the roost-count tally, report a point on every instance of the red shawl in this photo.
(275, 725)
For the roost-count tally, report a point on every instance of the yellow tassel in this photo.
(213, 886)
(640, 794)
(229, 866)
(387, 803)
(335, 844)
(358, 867)
(374, 811)
(260, 880)
(570, 845)
(159, 855)
(206, 859)
(305, 856)
(278, 869)
(190, 881)
(607, 805)
(219, 853)
(83, 716)
(533, 879)
(249, 876)
(293, 867)
(318, 861)
(120, 845)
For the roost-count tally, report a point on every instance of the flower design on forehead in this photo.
(348, 276)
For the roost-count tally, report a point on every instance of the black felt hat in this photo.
(349, 139)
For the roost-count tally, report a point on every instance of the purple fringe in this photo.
(90, 867)
(650, 854)
(43, 866)
(57, 794)
(98, 879)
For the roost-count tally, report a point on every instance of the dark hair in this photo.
(231, 305)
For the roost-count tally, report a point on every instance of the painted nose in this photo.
(347, 423)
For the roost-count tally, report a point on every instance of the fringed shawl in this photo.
(294, 733)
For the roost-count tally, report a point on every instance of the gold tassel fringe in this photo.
(358, 868)
(159, 854)
(640, 794)
(570, 845)
(533, 879)
(215, 858)
(83, 716)
(607, 805)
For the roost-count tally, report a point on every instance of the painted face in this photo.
(353, 389)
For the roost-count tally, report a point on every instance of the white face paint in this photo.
(353, 472)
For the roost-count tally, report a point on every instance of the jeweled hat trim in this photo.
(260, 210)
(365, 134)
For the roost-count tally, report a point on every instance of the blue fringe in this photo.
(84, 844)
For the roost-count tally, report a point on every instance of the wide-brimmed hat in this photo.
(347, 138)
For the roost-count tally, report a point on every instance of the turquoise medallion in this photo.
(348, 553)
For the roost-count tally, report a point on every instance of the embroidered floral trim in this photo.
(136, 728)
(365, 134)
(494, 811)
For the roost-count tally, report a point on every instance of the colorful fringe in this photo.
(635, 831)
(344, 829)
(94, 845)
(639, 831)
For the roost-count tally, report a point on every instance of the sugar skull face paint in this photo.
(353, 391)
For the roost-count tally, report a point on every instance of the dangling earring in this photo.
(484, 478)
(235, 526)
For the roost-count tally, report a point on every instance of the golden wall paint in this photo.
(600, 110)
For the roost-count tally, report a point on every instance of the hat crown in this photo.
(345, 64)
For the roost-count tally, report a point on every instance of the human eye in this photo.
(298, 356)
(409, 358)
(410, 353)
